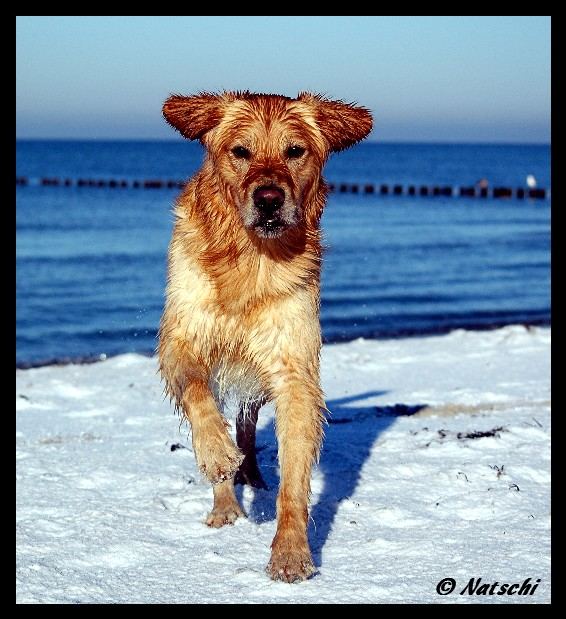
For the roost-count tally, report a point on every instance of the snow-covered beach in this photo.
(436, 465)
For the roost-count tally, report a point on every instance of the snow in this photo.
(110, 504)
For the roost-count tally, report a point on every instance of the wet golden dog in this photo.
(242, 309)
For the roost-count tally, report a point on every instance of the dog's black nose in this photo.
(268, 199)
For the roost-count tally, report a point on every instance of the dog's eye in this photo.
(294, 152)
(241, 153)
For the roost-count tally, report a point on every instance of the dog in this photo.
(243, 293)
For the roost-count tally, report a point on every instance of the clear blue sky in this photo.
(478, 79)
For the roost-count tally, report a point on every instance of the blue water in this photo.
(91, 262)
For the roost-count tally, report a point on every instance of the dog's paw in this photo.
(218, 517)
(294, 566)
(219, 458)
(217, 470)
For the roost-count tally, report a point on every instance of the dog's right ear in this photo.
(193, 116)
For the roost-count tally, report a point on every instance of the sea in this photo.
(91, 261)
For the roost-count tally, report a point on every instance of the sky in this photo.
(446, 79)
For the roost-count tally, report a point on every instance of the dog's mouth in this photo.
(270, 228)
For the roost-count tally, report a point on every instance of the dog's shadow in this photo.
(346, 447)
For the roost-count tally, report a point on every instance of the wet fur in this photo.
(242, 311)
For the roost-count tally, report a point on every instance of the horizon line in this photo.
(388, 141)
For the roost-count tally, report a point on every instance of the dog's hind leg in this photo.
(226, 507)
(248, 473)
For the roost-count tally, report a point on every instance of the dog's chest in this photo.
(244, 347)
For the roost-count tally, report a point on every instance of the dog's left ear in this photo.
(342, 124)
(193, 116)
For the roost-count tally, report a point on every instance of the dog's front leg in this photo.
(299, 418)
(216, 455)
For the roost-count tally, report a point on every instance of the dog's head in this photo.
(268, 150)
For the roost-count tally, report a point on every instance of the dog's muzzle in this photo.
(268, 201)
